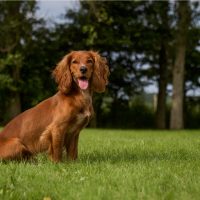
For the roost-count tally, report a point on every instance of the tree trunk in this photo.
(163, 65)
(176, 119)
(161, 102)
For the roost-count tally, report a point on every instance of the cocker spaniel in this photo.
(55, 123)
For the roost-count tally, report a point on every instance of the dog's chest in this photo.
(80, 120)
(83, 115)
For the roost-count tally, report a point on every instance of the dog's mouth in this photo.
(83, 82)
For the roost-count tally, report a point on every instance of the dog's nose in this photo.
(83, 69)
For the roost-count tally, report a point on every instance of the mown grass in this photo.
(112, 164)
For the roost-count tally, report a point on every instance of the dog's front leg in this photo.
(56, 145)
(72, 147)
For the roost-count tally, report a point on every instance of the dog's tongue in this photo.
(83, 84)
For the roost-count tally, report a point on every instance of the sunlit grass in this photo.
(112, 164)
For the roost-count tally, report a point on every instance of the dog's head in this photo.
(87, 69)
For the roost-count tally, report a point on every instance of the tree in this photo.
(16, 19)
(176, 119)
(163, 66)
(26, 58)
(155, 44)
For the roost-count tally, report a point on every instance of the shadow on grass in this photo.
(121, 156)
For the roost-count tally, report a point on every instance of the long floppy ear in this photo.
(100, 74)
(63, 75)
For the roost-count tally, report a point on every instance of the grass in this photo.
(112, 164)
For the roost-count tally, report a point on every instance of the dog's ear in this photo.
(100, 74)
(63, 75)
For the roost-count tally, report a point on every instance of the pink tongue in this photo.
(83, 84)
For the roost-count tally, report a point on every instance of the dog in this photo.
(55, 123)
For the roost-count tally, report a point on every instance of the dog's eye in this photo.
(74, 62)
(89, 61)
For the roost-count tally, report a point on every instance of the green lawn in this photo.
(112, 164)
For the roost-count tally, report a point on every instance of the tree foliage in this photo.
(137, 37)
(23, 46)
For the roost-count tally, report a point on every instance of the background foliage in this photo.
(137, 37)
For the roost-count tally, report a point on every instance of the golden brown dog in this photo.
(57, 121)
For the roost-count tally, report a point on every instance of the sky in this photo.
(53, 9)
